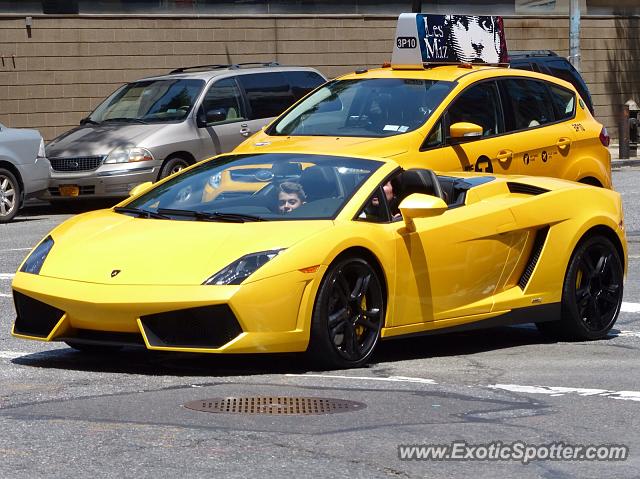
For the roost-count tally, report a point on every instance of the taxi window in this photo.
(530, 103)
(564, 101)
(372, 107)
(479, 104)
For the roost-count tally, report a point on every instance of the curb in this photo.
(621, 163)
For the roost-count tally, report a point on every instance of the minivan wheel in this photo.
(9, 195)
(173, 165)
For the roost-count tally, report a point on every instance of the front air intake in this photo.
(204, 327)
(35, 318)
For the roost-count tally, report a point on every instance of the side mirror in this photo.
(141, 188)
(210, 116)
(464, 131)
(420, 206)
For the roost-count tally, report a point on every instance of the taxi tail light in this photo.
(605, 139)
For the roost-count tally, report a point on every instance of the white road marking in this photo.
(12, 354)
(550, 390)
(634, 256)
(3, 295)
(630, 307)
(396, 379)
(625, 334)
(15, 249)
(6, 275)
(561, 391)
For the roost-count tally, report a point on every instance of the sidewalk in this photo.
(616, 162)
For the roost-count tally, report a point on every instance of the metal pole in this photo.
(623, 140)
(574, 34)
(417, 6)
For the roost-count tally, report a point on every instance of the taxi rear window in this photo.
(373, 107)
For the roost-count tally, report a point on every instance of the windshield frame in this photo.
(445, 89)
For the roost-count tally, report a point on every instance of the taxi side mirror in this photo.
(142, 187)
(418, 205)
(464, 131)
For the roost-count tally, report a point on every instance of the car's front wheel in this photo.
(173, 165)
(9, 195)
(591, 294)
(348, 314)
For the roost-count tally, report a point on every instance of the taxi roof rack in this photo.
(221, 66)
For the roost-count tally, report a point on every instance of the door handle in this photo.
(563, 142)
(504, 155)
(244, 130)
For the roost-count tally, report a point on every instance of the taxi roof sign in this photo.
(448, 39)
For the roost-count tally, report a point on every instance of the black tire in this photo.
(10, 195)
(172, 165)
(591, 293)
(348, 315)
(93, 348)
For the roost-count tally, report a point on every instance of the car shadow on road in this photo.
(155, 363)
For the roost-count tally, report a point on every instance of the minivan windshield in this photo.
(262, 187)
(149, 101)
(372, 107)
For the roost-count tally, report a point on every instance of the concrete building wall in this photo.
(57, 71)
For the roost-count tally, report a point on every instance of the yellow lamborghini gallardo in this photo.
(328, 255)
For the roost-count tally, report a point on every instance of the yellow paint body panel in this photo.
(568, 149)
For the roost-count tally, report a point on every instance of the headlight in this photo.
(214, 181)
(128, 155)
(242, 268)
(36, 259)
(41, 153)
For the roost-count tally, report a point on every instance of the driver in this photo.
(290, 196)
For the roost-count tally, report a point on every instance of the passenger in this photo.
(373, 210)
(290, 196)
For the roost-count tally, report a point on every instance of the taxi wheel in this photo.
(9, 196)
(591, 294)
(93, 348)
(173, 165)
(348, 315)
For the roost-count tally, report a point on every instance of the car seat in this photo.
(319, 182)
(421, 181)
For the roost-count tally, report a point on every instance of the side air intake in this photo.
(525, 189)
(35, 318)
(538, 243)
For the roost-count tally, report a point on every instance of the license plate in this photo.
(69, 190)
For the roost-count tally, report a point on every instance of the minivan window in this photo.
(373, 107)
(268, 93)
(150, 101)
(302, 82)
(224, 100)
(530, 103)
(479, 104)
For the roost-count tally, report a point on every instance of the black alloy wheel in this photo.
(348, 314)
(591, 294)
(9, 196)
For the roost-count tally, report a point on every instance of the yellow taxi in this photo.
(447, 102)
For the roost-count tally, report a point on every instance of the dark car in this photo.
(550, 63)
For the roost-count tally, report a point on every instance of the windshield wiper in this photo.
(214, 216)
(127, 120)
(88, 120)
(140, 213)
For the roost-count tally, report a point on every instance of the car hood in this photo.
(380, 147)
(91, 247)
(92, 140)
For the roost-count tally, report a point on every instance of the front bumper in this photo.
(101, 183)
(271, 315)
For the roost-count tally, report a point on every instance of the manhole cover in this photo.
(275, 405)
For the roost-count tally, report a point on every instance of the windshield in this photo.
(149, 101)
(263, 187)
(375, 107)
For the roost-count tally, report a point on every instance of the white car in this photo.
(24, 169)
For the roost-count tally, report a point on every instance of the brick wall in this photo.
(56, 73)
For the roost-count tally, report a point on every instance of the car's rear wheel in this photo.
(173, 165)
(9, 195)
(591, 294)
(93, 348)
(348, 314)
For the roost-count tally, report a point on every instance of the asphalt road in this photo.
(63, 413)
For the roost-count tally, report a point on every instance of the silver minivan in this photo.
(151, 128)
